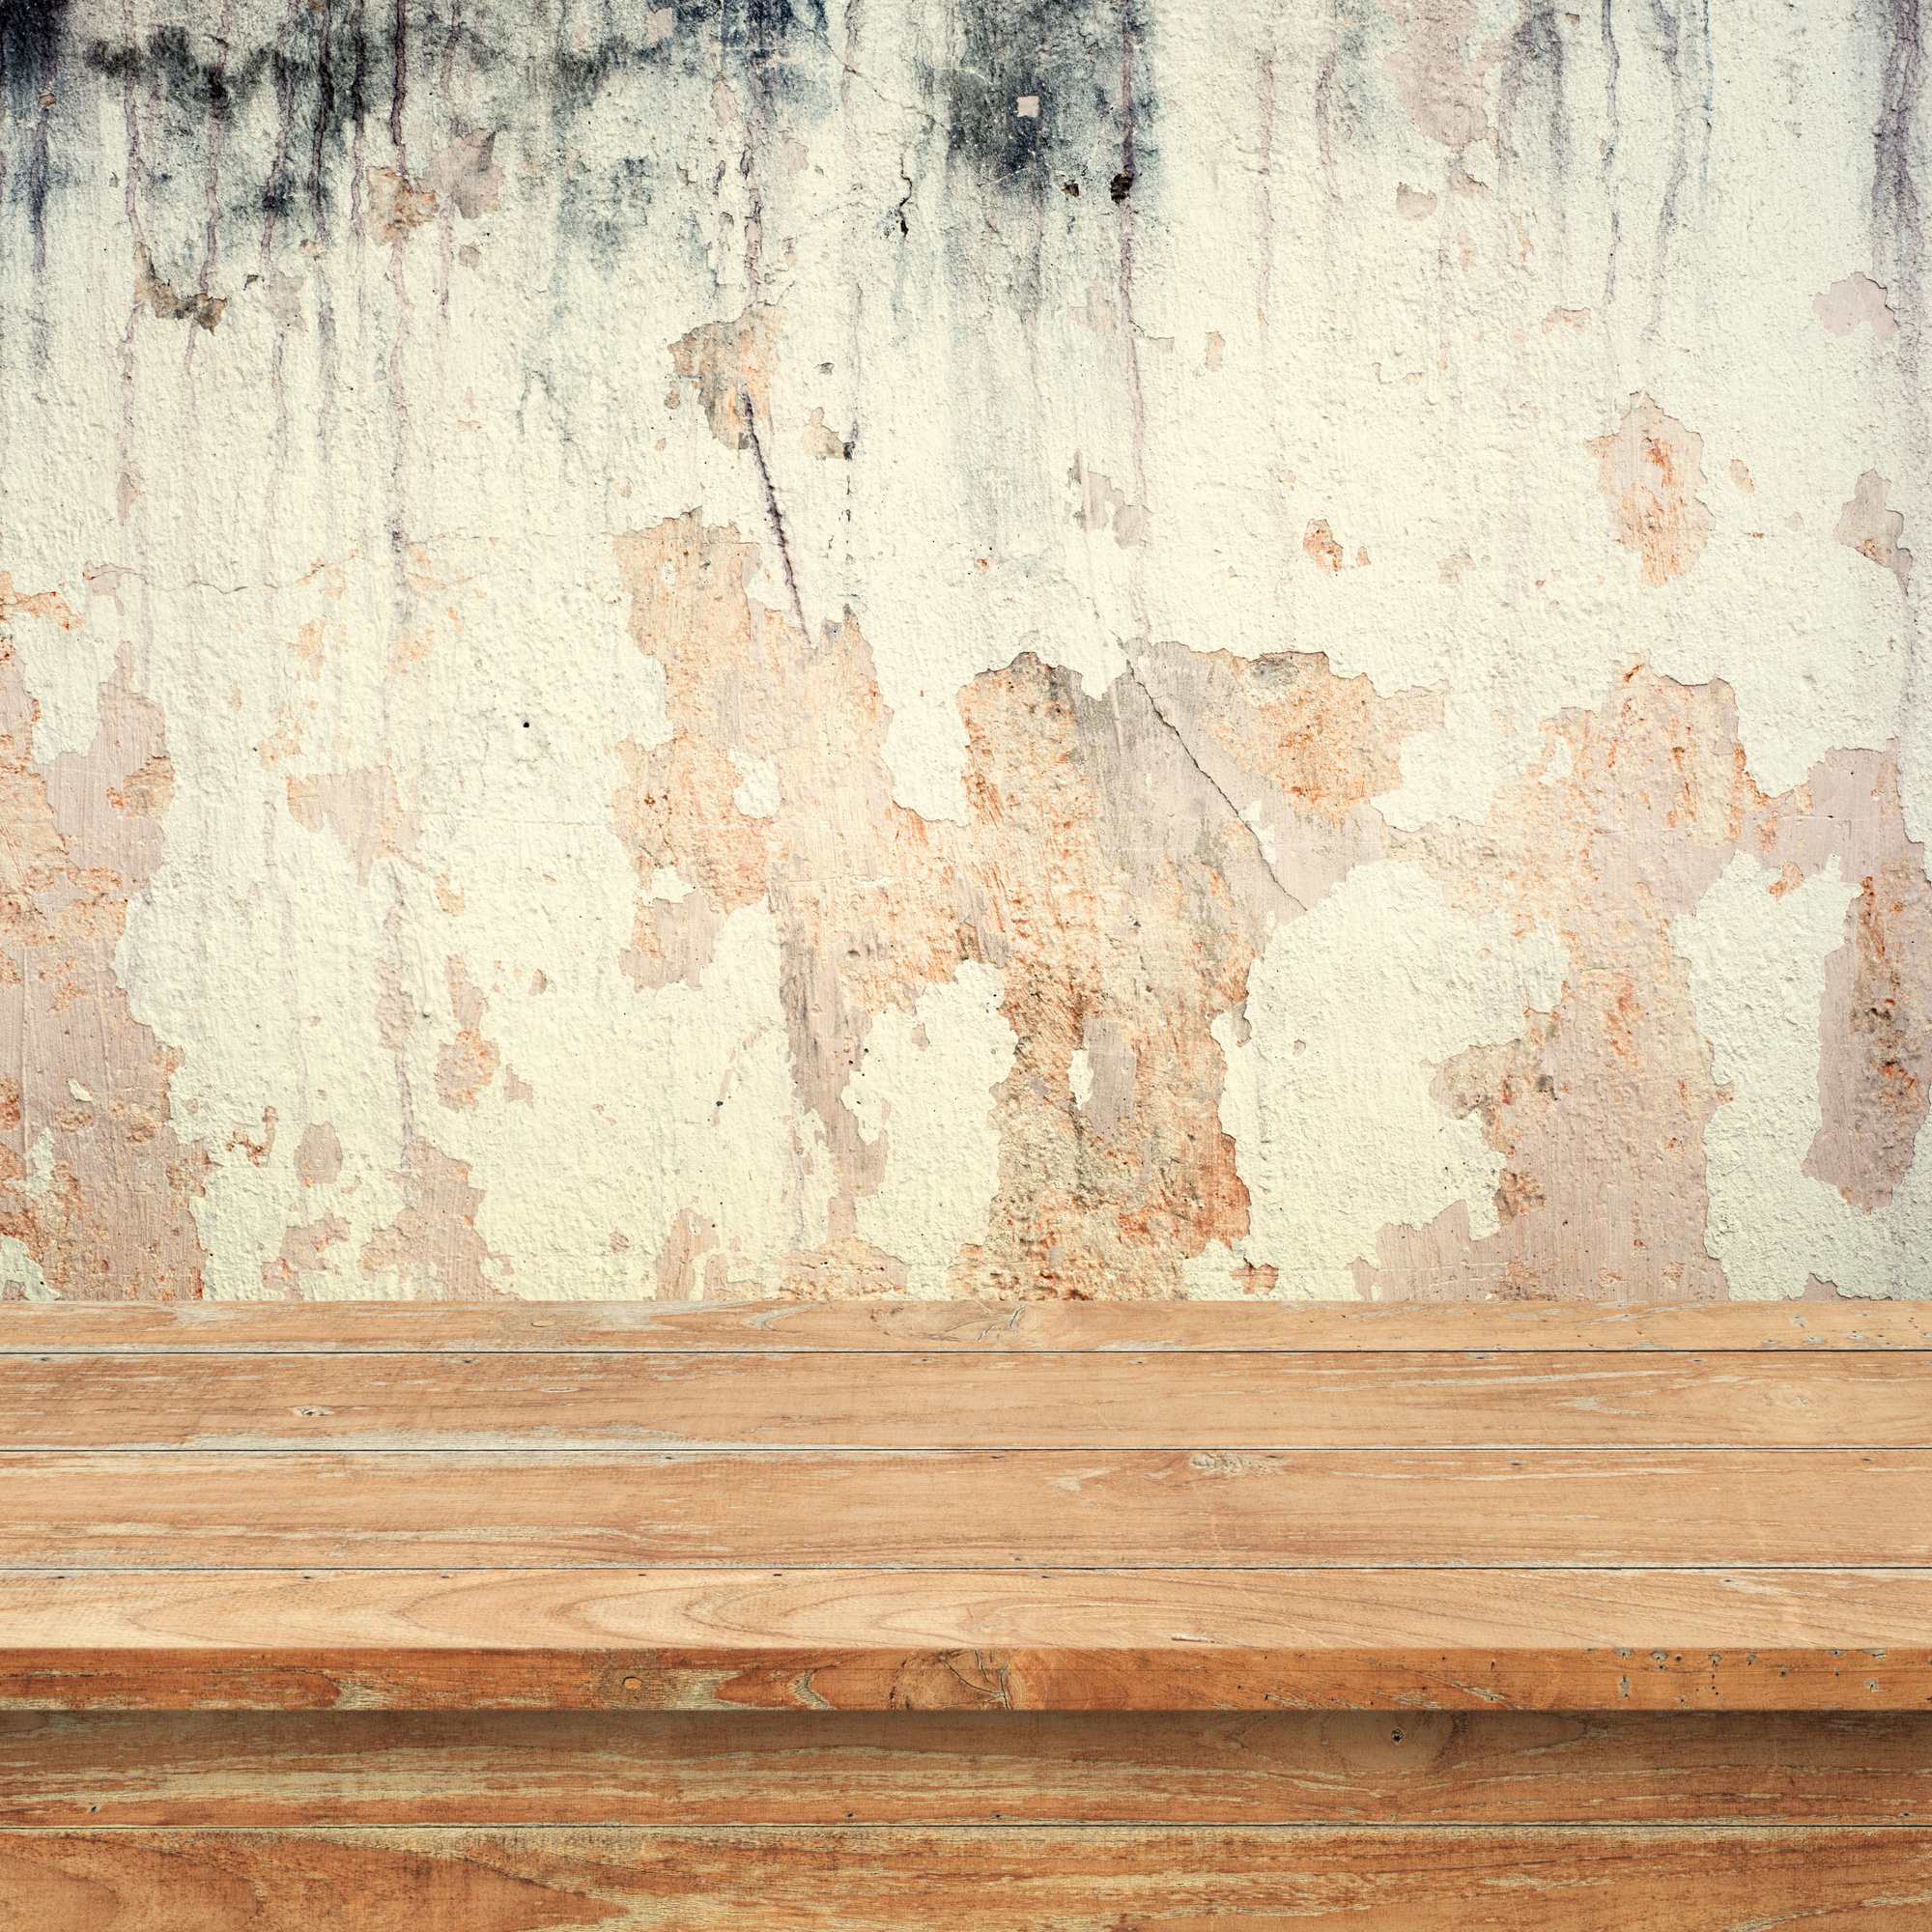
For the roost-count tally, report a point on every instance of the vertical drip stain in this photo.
(446, 225)
(1325, 108)
(1610, 168)
(1535, 55)
(399, 998)
(275, 197)
(325, 114)
(126, 483)
(217, 122)
(400, 93)
(1122, 195)
(38, 166)
(358, 117)
(1669, 28)
(1267, 240)
(318, 202)
(1898, 252)
(1899, 233)
(272, 202)
(37, 177)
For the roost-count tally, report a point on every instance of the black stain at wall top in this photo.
(32, 35)
(1071, 62)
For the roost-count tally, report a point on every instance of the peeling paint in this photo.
(785, 652)
(1650, 472)
(1344, 1140)
(96, 1185)
(1856, 300)
(1867, 526)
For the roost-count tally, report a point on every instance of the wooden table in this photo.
(862, 1615)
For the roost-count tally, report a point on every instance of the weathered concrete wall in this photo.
(816, 647)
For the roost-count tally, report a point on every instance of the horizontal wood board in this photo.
(1088, 1879)
(905, 1640)
(967, 1327)
(1261, 1400)
(938, 1506)
(971, 1508)
(961, 1768)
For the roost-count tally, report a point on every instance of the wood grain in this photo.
(1092, 1879)
(331, 1507)
(964, 1326)
(1209, 1401)
(969, 1509)
(1576, 1639)
(240, 1768)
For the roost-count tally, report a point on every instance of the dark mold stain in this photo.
(1066, 57)
(782, 46)
(33, 33)
(168, 64)
(315, 94)
(1529, 91)
(769, 34)
(399, 62)
(1351, 104)
(1900, 238)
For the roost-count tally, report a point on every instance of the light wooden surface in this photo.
(1098, 1619)
(1561, 1639)
(803, 1509)
(969, 1327)
(1258, 1400)
(936, 1506)
(999, 1878)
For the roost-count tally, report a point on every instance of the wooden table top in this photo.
(956, 1506)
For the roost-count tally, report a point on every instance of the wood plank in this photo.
(245, 1769)
(968, 1326)
(917, 1641)
(969, 1509)
(1094, 1879)
(1207, 1400)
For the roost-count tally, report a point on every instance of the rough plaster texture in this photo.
(795, 647)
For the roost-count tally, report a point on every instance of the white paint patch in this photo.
(1758, 980)
(926, 1082)
(41, 1164)
(20, 1269)
(1080, 1077)
(1211, 1275)
(64, 670)
(757, 797)
(1378, 984)
(656, 1105)
(1254, 818)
